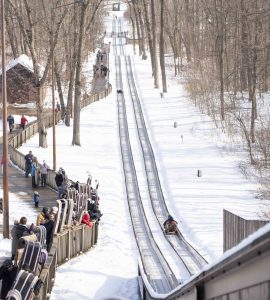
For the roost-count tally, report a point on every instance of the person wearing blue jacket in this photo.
(36, 198)
(10, 120)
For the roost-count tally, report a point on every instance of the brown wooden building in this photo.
(21, 86)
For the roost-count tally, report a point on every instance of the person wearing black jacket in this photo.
(28, 163)
(18, 230)
(10, 120)
(8, 274)
(170, 225)
(58, 181)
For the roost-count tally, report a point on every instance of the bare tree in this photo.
(83, 29)
(27, 23)
(161, 48)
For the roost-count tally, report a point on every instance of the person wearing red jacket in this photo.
(86, 219)
(23, 121)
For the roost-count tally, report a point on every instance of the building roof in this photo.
(23, 60)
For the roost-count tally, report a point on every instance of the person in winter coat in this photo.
(43, 216)
(23, 121)
(36, 198)
(18, 230)
(64, 185)
(10, 120)
(44, 172)
(49, 225)
(8, 274)
(58, 181)
(86, 219)
(170, 225)
(14, 242)
(28, 163)
(94, 212)
(33, 172)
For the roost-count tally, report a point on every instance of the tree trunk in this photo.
(40, 116)
(148, 30)
(12, 37)
(161, 48)
(155, 63)
(72, 69)
(244, 48)
(144, 56)
(220, 51)
(187, 35)
(59, 89)
(138, 28)
(133, 35)
(77, 96)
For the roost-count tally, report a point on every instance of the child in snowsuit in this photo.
(36, 198)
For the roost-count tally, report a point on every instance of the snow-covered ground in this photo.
(196, 202)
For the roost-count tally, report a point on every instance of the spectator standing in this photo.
(43, 216)
(8, 274)
(18, 230)
(36, 198)
(44, 172)
(58, 181)
(14, 242)
(28, 163)
(49, 225)
(23, 121)
(64, 184)
(10, 120)
(33, 172)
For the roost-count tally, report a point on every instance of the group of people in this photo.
(100, 71)
(92, 213)
(38, 173)
(100, 55)
(47, 219)
(11, 122)
(20, 229)
(8, 274)
(9, 268)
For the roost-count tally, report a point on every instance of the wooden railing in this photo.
(70, 242)
(237, 228)
(66, 245)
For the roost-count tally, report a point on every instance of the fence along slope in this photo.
(74, 240)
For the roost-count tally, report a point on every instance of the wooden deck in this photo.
(22, 187)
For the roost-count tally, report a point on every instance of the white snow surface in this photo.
(197, 203)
